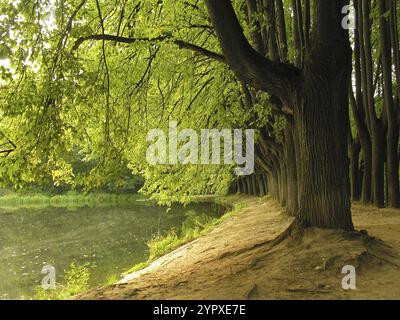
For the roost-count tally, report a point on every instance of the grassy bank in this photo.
(76, 281)
(192, 229)
(70, 199)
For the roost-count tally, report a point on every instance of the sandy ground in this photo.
(237, 261)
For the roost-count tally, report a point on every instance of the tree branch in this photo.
(200, 50)
(10, 148)
(181, 44)
(278, 79)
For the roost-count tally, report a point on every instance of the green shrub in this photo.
(76, 277)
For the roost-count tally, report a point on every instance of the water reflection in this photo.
(110, 239)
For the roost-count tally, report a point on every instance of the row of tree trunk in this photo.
(256, 185)
(306, 166)
(374, 147)
(303, 169)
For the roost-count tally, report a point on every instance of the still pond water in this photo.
(110, 239)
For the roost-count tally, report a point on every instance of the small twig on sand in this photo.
(251, 291)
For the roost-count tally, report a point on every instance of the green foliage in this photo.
(112, 280)
(76, 281)
(80, 119)
(161, 245)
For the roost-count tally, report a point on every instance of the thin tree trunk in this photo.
(359, 104)
(375, 124)
(291, 170)
(283, 43)
(354, 151)
(272, 45)
(255, 26)
(392, 134)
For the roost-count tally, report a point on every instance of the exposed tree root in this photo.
(295, 232)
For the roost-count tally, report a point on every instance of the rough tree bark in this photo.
(375, 124)
(392, 134)
(358, 105)
(318, 96)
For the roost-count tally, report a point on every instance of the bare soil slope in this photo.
(237, 261)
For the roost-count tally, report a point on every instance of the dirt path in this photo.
(236, 261)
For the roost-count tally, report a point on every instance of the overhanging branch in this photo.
(9, 147)
(278, 79)
(181, 44)
(200, 50)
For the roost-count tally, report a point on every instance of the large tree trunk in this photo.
(318, 96)
(322, 122)
(321, 125)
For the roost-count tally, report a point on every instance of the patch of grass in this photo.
(192, 228)
(266, 198)
(77, 278)
(111, 279)
(137, 267)
(160, 245)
